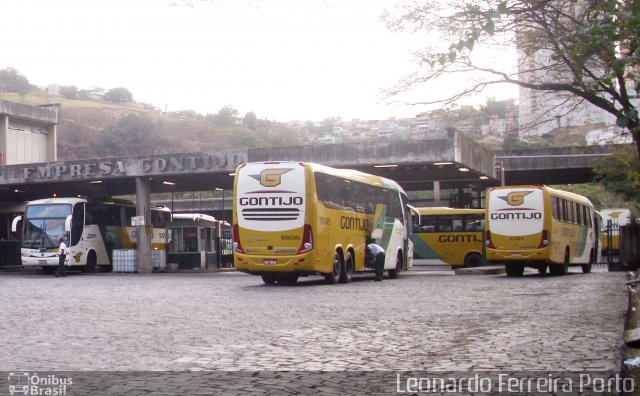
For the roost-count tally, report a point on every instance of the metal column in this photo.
(144, 232)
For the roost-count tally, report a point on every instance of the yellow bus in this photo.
(539, 227)
(294, 219)
(448, 236)
(612, 220)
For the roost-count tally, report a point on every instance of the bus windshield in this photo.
(44, 225)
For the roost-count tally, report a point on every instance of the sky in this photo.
(284, 60)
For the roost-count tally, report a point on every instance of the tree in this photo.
(241, 138)
(118, 95)
(591, 47)
(250, 121)
(226, 116)
(620, 173)
(132, 135)
(70, 92)
(12, 81)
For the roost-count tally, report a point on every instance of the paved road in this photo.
(361, 338)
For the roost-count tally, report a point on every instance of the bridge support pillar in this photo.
(144, 232)
(436, 193)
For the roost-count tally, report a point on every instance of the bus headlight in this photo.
(307, 246)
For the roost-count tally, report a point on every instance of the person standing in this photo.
(62, 255)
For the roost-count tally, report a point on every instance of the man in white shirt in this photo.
(62, 255)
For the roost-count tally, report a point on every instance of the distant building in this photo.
(28, 134)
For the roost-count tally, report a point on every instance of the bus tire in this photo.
(333, 277)
(472, 260)
(92, 262)
(586, 268)
(564, 269)
(269, 279)
(393, 273)
(514, 269)
(346, 269)
(542, 270)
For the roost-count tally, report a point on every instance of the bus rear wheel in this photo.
(346, 270)
(332, 277)
(269, 279)
(586, 268)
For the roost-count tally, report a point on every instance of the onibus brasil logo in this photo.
(21, 383)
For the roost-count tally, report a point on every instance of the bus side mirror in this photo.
(14, 223)
(67, 224)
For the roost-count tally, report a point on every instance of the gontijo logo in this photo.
(515, 198)
(271, 177)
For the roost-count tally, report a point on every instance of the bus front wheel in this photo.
(472, 260)
(393, 273)
(91, 262)
(332, 277)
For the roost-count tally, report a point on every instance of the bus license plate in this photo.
(270, 262)
(516, 254)
(42, 261)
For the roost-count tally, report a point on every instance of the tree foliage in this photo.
(132, 135)
(592, 48)
(12, 81)
(226, 116)
(118, 95)
(250, 121)
(620, 173)
(70, 92)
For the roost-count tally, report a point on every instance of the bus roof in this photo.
(349, 174)
(554, 191)
(74, 200)
(427, 211)
(193, 217)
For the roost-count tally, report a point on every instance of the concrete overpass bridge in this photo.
(452, 162)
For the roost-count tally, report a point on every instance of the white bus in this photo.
(294, 219)
(91, 228)
(199, 241)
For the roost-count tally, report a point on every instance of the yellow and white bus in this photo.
(294, 219)
(446, 236)
(612, 220)
(91, 228)
(540, 227)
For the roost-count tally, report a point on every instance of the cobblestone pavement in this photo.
(306, 338)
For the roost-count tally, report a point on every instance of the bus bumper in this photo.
(302, 264)
(518, 255)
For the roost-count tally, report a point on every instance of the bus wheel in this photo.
(393, 273)
(514, 269)
(91, 262)
(472, 260)
(564, 269)
(332, 277)
(586, 268)
(346, 270)
(269, 279)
